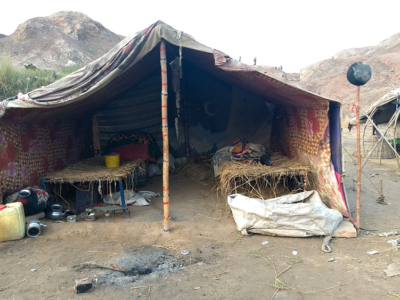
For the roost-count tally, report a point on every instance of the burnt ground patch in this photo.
(144, 262)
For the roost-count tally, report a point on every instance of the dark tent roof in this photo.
(132, 61)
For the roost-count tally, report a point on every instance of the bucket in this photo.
(112, 161)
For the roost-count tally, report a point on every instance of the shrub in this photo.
(14, 80)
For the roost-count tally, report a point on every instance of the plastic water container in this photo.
(12, 222)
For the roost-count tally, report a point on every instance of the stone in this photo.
(392, 270)
(345, 229)
(83, 285)
(70, 63)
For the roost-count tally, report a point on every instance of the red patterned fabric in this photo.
(29, 151)
(304, 135)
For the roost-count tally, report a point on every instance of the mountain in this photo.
(50, 42)
(328, 77)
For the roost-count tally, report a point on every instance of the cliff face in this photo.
(50, 42)
(328, 77)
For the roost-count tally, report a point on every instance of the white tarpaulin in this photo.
(141, 198)
(297, 215)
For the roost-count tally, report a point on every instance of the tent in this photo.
(51, 127)
(383, 117)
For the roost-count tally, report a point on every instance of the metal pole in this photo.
(164, 123)
(358, 158)
(121, 191)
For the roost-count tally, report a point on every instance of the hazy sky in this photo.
(291, 33)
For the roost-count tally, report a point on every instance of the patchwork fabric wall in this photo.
(304, 134)
(29, 151)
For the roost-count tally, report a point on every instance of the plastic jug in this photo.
(12, 222)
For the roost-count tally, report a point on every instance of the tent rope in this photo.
(325, 246)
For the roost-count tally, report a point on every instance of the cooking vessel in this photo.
(56, 212)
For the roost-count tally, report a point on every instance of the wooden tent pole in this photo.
(358, 158)
(96, 136)
(164, 123)
(186, 121)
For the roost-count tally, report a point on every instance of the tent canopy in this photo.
(133, 60)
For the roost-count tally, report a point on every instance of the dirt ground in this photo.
(221, 265)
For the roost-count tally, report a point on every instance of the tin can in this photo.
(71, 219)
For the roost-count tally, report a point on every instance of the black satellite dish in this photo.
(359, 73)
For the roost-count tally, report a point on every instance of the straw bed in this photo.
(263, 181)
(197, 171)
(93, 169)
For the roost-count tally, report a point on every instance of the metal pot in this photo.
(25, 193)
(33, 228)
(56, 212)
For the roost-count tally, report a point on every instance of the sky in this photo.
(288, 33)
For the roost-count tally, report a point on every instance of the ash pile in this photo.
(149, 263)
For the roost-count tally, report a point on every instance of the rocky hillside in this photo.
(328, 77)
(50, 42)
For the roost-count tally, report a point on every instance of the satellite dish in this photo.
(359, 73)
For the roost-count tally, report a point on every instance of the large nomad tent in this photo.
(51, 127)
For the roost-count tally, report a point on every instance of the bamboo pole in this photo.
(358, 158)
(164, 123)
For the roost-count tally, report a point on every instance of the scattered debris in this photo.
(392, 270)
(393, 294)
(33, 270)
(393, 243)
(93, 264)
(83, 285)
(142, 287)
(331, 259)
(294, 252)
(390, 233)
(104, 252)
(373, 252)
(381, 199)
(185, 252)
(197, 288)
(280, 285)
(264, 243)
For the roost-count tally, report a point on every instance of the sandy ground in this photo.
(222, 264)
